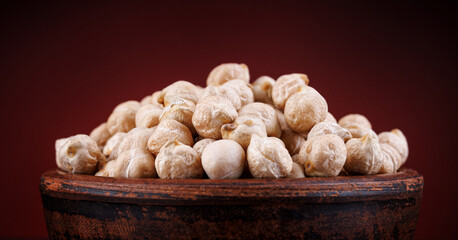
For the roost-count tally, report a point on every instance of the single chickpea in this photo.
(286, 86)
(223, 159)
(243, 90)
(157, 99)
(132, 163)
(178, 161)
(293, 141)
(211, 114)
(169, 130)
(146, 100)
(364, 155)
(359, 132)
(354, 121)
(267, 157)
(330, 118)
(79, 154)
(181, 110)
(397, 140)
(123, 117)
(324, 155)
(324, 128)
(297, 171)
(225, 92)
(113, 143)
(182, 89)
(136, 138)
(304, 110)
(226, 72)
(101, 135)
(200, 145)
(266, 113)
(262, 89)
(148, 116)
(390, 159)
(242, 129)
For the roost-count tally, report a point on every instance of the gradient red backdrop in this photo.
(65, 66)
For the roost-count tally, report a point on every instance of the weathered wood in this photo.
(348, 207)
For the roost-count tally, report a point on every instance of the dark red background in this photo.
(64, 66)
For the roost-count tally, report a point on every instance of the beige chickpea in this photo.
(296, 158)
(297, 171)
(304, 110)
(243, 90)
(330, 118)
(225, 92)
(169, 130)
(262, 89)
(323, 156)
(266, 113)
(200, 145)
(359, 132)
(157, 99)
(178, 161)
(148, 116)
(226, 72)
(293, 141)
(364, 155)
(324, 128)
(122, 119)
(242, 129)
(397, 140)
(267, 157)
(182, 89)
(223, 159)
(101, 135)
(132, 163)
(146, 100)
(211, 114)
(136, 138)
(282, 120)
(286, 86)
(390, 159)
(181, 110)
(354, 121)
(113, 143)
(79, 154)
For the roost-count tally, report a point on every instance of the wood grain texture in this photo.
(347, 207)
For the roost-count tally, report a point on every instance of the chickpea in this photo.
(243, 90)
(225, 92)
(354, 121)
(180, 110)
(79, 154)
(359, 132)
(304, 110)
(135, 138)
(324, 155)
(211, 114)
(282, 120)
(157, 99)
(132, 163)
(169, 130)
(200, 145)
(330, 118)
(390, 159)
(146, 100)
(148, 116)
(178, 161)
(101, 135)
(293, 141)
(242, 129)
(364, 155)
(268, 158)
(223, 159)
(266, 113)
(324, 128)
(123, 117)
(297, 171)
(226, 72)
(286, 86)
(262, 89)
(398, 141)
(113, 143)
(182, 89)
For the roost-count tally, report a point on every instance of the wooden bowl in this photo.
(347, 207)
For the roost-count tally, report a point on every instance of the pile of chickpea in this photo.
(231, 129)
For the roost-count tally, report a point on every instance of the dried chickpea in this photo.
(324, 128)
(364, 155)
(223, 159)
(243, 90)
(133, 163)
(262, 89)
(267, 157)
(242, 129)
(79, 154)
(266, 114)
(296, 158)
(113, 143)
(293, 141)
(211, 114)
(178, 161)
(182, 89)
(359, 132)
(323, 156)
(297, 171)
(169, 130)
(286, 86)
(148, 116)
(390, 159)
(354, 120)
(330, 118)
(123, 117)
(226, 72)
(226, 92)
(101, 135)
(181, 110)
(397, 140)
(146, 100)
(136, 138)
(304, 110)
(200, 145)
(157, 99)
(282, 120)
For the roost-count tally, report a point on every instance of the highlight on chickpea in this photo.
(232, 129)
